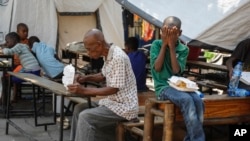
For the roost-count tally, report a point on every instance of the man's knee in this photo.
(79, 108)
(87, 119)
(86, 115)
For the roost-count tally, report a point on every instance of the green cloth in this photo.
(209, 55)
(161, 78)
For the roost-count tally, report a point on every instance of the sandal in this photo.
(66, 123)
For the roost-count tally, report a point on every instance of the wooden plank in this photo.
(205, 65)
(143, 96)
(42, 82)
(55, 87)
(220, 106)
(77, 99)
(211, 85)
(219, 109)
(227, 108)
(157, 120)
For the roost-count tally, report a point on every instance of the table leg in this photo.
(76, 61)
(61, 118)
(4, 92)
(148, 121)
(168, 122)
(8, 106)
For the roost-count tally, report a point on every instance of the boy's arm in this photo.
(173, 35)
(160, 59)
(11, 51)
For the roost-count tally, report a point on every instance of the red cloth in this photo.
(194, 53)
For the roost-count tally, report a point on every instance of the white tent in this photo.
(58, 22)
(205, 23)
(45, 19)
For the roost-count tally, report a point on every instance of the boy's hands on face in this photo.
(173, 34)
(169, 36)
(164, 36)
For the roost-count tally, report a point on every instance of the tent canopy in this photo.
(77, 5)
(42, 16)
(210, 24)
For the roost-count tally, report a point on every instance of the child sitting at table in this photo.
(22, 31)
(27, 59)
(47, 58)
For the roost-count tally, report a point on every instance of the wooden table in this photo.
(72, 54)
(95, 63)
(219, 109)
(56, 88)
(204, 65)
(201, 77)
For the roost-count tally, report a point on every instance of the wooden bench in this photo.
(130, 125)
(134, 127)
(205, 65)
(219, 109)
(142, 97)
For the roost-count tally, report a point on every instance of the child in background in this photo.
(138, 62)
(47, 58)
(22, 31)
(27, 59)
(51, 66)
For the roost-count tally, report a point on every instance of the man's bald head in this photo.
(95, 34)
(95, 43)
(172, 21)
